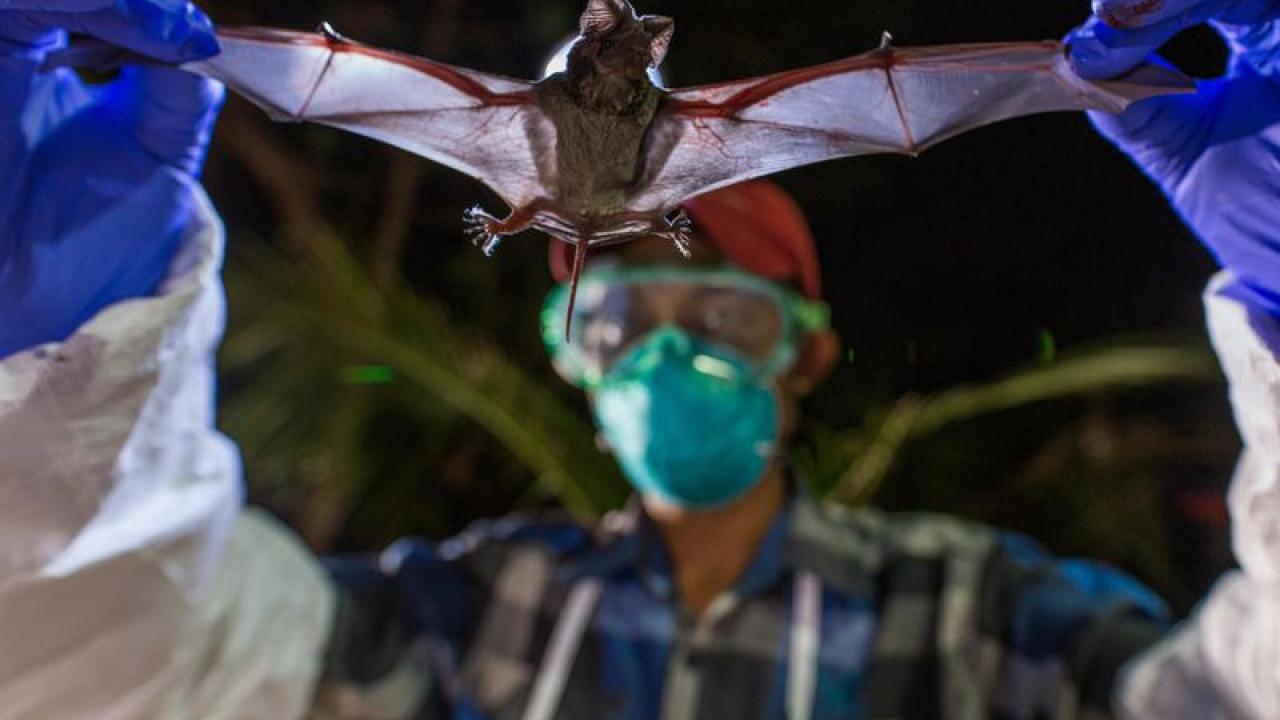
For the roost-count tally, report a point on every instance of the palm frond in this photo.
(303, 325)
(875, 448)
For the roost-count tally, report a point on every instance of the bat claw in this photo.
(678, 232)
(480, 230)
(331, 35)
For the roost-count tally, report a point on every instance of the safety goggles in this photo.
(618, 307)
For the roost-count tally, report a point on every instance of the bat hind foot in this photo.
(677, 232)
(482, 229)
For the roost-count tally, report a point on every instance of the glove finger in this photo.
(171, 112)
(56, 5)
(1155, 132)
(169, 34)
(1098, 50)
(1254, 43)
(1092, 56)
(24, 35)
(1141, 13)
(1250, 26)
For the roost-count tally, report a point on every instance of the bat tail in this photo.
(579, 259)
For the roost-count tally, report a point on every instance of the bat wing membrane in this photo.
(484, 125)
(896, 100)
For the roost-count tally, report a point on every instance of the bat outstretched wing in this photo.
(890, 100)
(486, 126)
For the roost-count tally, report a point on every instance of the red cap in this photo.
(755, 225)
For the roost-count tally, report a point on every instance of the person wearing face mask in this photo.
(133, 584)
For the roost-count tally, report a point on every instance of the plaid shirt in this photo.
(922, 616)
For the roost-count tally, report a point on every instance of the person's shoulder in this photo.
(933, 534)
(858, 549)
(865, 529)
(486, 544)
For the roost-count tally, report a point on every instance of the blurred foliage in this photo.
(317, 330)
(866, 455)
(1085, 478)
(383, 378)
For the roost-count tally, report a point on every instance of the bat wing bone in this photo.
(622, 227)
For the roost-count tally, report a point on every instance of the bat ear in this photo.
(601, 16)
(660, 30)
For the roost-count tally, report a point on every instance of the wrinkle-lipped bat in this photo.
(598, 154)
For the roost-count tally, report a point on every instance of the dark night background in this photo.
(1015, 248)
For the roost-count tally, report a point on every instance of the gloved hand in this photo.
(96, 183)
(1216, 154)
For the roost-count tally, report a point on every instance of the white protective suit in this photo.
(133, 583)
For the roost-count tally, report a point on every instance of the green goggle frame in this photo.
(800, 315)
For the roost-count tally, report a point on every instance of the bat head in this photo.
(615, 41)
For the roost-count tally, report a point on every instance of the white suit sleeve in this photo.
(132, 582)
(1224, 662)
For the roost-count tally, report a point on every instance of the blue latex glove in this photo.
(96, 183)
(1214, 153)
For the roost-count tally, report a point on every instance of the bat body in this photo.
(598, 154)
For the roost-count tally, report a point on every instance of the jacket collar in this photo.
(840, 546)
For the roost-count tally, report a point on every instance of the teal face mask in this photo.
(688, 421)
